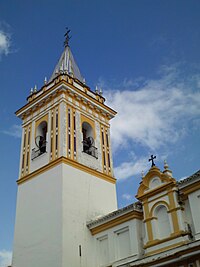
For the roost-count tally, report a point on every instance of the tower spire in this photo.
(66, 63)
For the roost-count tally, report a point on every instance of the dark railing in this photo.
(90, 150)
(36, 153)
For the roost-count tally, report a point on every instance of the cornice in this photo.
(115, 218)
(69, 162)
(64, 86)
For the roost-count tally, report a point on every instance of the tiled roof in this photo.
(191, 179)
(134, 206)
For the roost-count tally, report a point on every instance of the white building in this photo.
(66, 203)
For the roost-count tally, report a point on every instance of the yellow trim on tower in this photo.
(69, 162)
(74, 133)
(103, 146)
(26, 152)
(57, 131)
(28, 147)
(64, 90)
(23, 152)
(52, 155)
(54, 132)
(67, 131)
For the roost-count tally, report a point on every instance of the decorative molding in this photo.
(69, 162)
(166, 248)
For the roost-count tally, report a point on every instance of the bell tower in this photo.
(66, 171)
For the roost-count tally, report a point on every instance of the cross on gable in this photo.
(152, 159)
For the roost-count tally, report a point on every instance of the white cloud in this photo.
(127, 197)
(5, 258)
(131, 168)
(154, 115)
(4, 43)
(15, 130)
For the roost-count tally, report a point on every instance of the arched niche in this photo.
(154, 182)
(162, 221)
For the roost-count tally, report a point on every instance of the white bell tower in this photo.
(66, 171)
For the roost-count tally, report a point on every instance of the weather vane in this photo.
(152, 159)
(67, 37)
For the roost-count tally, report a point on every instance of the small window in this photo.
(123, 243)
(103, 250)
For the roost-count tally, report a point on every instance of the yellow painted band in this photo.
(69, 162)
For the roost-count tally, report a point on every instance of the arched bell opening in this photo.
(88, 140)
(41, 136)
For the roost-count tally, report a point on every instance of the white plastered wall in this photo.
(130, 243)
(38, 234)
(84, 198)
(194, 202)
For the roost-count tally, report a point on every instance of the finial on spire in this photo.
(31, 91)
(152, 159)
(96, 90)
(45, 80)
(67, 37)
(35, 89)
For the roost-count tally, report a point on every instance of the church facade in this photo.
(67, 213)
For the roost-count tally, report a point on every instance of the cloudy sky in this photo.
(145, 56)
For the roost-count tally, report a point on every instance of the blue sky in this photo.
(145, 56)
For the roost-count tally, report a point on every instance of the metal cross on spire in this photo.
(67, 37)
(152, 159)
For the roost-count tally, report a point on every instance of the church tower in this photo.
(66, 171)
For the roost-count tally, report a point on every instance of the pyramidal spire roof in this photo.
(66, 63)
